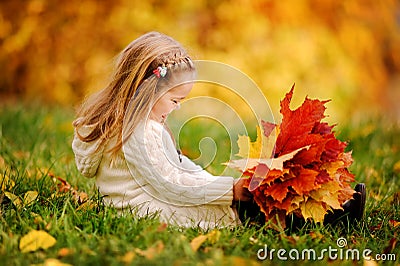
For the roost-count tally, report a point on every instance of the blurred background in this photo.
(57, 52)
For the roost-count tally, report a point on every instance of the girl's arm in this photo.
(152, 163)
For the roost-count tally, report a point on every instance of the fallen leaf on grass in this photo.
(162, 227)
(213, 237)
(128, 257)
(396, 167)
(37, 219)
(370, 263)
(30, 197)
(6, 183)
(65, 187)
(63, 252)
(197, 242)
(293, 240)
(396, 199)
(2, 162)
(14, 199)
(394, 223)
(36, 239)
(239, 261)
(55, 262)
(87, 205)
(152, 251)
(392, 244)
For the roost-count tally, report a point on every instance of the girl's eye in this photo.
(175, 101)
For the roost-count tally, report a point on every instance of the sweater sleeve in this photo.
(150, 158)
(88, 155)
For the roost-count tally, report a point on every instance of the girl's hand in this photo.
(241, 193)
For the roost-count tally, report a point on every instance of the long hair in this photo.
(134, 88)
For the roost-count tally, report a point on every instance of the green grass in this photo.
(35, 147)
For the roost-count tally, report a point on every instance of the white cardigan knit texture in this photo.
(147, 176)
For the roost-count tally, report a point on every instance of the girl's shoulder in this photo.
(149, 127)
(154, 125)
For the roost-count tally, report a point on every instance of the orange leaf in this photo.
(304, 181)
(152, 251)
(394, 223)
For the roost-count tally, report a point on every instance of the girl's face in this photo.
(169, 101)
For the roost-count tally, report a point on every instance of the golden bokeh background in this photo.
(348, 51)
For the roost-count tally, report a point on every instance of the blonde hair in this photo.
(134, 88)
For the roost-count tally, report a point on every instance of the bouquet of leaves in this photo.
(297, 167)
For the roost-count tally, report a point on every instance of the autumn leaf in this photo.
(261, 148)
(6, 183)
(152, 251)
(36, 239)
(212, 237)
(64, 252)
(297, 125)
(55, 262)
(239, 261)
(261, 166)
(30, 197)
(313, 209)
(162, 227)
(64, 187)
(328, 193)
(14, 199)
(197, 242)
(392, 245)
(128, 257)
(394, 223)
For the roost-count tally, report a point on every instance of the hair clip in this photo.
(160, 71)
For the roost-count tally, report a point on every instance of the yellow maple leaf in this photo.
(261, 148)
(313, 209)
(332, 167)
(296, 201)
(36, 239)
(328, 193)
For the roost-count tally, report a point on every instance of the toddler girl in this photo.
(121, 138)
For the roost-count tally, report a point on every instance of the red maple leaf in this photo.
(297, 125)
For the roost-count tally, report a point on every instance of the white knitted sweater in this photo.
(148, 176)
